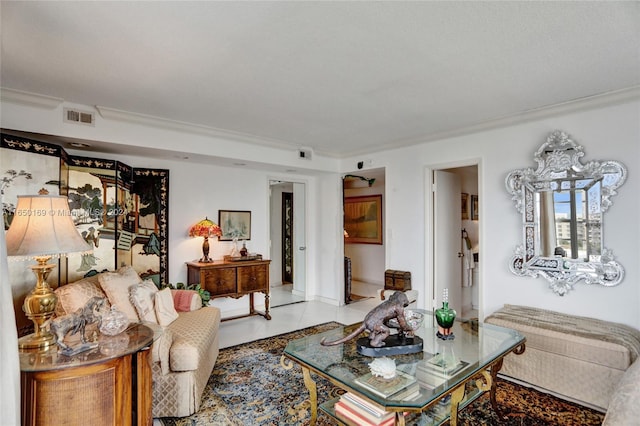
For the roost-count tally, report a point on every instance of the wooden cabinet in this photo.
(233, 279)
(108, 385)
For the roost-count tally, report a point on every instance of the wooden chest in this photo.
(397, 280)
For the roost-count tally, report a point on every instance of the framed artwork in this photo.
(363, 220)
(465, 206)
(474, 207)
(234, 224)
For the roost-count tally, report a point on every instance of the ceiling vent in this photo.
(79, 117)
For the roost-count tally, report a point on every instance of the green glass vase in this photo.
(445, 317)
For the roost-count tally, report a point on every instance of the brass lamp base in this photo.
(39, 306)
(31, 341)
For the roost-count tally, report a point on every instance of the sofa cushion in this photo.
(74, 296)
(142, 297)
(624, 409)
(116, 286)
(193, 334)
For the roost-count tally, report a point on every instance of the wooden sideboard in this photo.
(233, 279)
(108, 385)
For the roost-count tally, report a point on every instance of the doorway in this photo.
(456, 239)
(365, 256)
(288, 262)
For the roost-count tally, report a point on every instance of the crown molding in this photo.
(28, 98)
(581, 104)
(590, 102)
(181, 126)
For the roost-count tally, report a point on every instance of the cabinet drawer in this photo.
(219, 282)
(252, 278)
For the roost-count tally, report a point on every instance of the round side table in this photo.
(107, 385)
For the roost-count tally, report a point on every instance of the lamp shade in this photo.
(43, 226)
(205, 228)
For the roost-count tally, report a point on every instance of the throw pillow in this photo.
(165, 312)
(116, 286)
(143, 298)
(186, 300)
(74, 296)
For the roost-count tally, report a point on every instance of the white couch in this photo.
(185, 350)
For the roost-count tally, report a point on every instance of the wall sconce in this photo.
(205, 228)
(42, 228)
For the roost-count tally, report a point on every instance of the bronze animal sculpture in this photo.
(77, 321)
(375, 321)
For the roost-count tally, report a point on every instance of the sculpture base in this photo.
(393, 345)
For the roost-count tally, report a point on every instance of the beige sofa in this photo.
(580, 358)
(186, 341)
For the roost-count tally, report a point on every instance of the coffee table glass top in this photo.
(440, 367)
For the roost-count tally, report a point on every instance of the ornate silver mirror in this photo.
(563, 203)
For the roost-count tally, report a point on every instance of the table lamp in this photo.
(205, 228)
(42, 228)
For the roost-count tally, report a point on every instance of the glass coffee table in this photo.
(450, 373)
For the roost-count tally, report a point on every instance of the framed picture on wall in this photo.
(234, 224)
(465, 206)
(474, 207)
(363, 220)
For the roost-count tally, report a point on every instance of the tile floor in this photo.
(295, 316)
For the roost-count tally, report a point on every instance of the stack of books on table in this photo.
(359, 411)
(434, 372)
(401, 387)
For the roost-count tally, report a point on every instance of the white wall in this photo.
(198, 188)
(607, 133)
(610, 132)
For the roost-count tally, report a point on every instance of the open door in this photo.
(447, 241)
(287, 271)
(299, 240)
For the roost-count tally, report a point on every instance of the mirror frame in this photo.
(558, 158)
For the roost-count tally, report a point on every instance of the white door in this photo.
(447, 230)
(299, 240)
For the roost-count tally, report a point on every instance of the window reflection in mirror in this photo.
(570, 219)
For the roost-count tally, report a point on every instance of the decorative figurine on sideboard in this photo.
(445, 317)
(76, 322)
(378, 322)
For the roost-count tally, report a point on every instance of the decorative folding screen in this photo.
(121, 211)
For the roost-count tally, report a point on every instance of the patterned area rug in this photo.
(248, 386)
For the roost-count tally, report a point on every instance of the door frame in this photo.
(429, 240)
(296, 253)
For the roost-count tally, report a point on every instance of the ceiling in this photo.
(340, 78)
